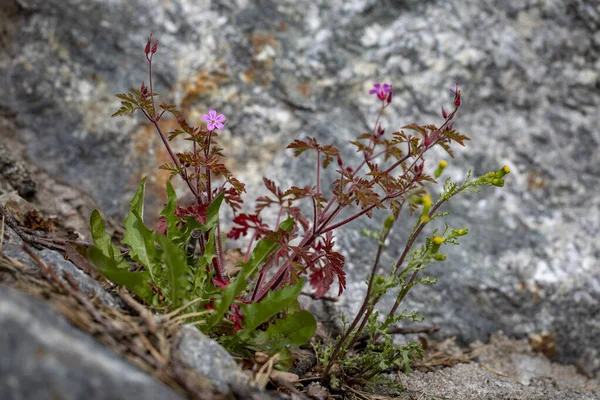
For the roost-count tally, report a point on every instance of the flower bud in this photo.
(389, 98)
(418, 169)
(427, 203)
(144, 90)
(427, 140)
(502, 171)
(154, 47)
(437, 242)
(444, 113)
(462, 232)
(498, 182)
(443, 164)
(387, 225)
(147, 49)
(339, 160)
(440, 257)
(456, 93)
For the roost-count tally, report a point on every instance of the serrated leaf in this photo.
(212, 215)
(174, 133)
(176, 266)
(137, 282)
(205, 260)
(169, 213)
(103, 241)
(138, 237)
(292, 332)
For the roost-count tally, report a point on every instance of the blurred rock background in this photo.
(530, 73)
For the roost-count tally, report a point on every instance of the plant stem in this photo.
(413, 237)
(360, 313)
(318, 173)
(151, 89)
(249, 248)
(206, 154)
(182, 171)
(221, 256)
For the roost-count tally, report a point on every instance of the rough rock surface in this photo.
(44, 357)
(199, 352)
(505, 369)
(279, 70)
(13, 248)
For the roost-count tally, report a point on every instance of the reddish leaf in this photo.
(329, 264)
(195, 210)
(247, 221)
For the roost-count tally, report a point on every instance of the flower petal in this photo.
(212, 114)
(206, 117)
(377, 86)
(220, 118)
(219, 125)
(210, 126)
(372, 91)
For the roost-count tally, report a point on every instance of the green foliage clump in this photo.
(167, 278)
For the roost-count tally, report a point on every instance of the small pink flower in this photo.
(456, 92)
(214, 121)
(381, 91)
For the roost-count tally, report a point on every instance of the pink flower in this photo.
(381, 91)
(456, 94)
(214, 121)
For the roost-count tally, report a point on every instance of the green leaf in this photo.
(176, 266)
(99, 236)
(200, 273)
(103, 241)
(294, 331)
(212, 218)
(138, 282)
(169, 213)
(212, 215)
(285, 360)
(258, 313)
(138, 237)
(263, 249)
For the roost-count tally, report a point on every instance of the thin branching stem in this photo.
(318, 173)
(362, 310)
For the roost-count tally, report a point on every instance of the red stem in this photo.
(151, 90)
(249, 249)
(318, 172)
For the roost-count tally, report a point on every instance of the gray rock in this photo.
(16, 174)
(529, 71)
(205, 356)
(473, 382)
(44, 357)
(13, 247)
(505, 369)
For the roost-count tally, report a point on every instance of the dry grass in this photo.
(135, 333)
